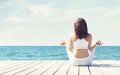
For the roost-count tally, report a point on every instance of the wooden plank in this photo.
(21, 69)
(54, 68)
(63, 69)
(108, 67)
(11, 68)
(109, 71)
(109, 62)
(95, 70)
(43, 69)
(6, 63)
(83, 70)
(58, 68)
(30, 69)
(116, 70)
(74, 70)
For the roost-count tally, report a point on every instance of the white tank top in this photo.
(80, 44)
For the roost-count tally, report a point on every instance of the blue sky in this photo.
(46, 22)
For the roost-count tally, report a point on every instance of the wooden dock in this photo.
(56, 67)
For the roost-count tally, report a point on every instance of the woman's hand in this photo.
(99, 42)
(62, 42)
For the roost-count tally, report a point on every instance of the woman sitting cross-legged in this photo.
(79, 49)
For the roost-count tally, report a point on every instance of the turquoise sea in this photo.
(53, 53)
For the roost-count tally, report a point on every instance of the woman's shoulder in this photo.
(72, 36)
(89, 35)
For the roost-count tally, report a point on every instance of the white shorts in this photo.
(81, 61)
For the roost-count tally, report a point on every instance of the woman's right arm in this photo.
(69, 44)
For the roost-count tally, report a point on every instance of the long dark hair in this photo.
(80, 27)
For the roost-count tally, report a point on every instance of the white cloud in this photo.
(7, 4)
(46, 23)
(32, 13)
(41, 10)
(28, 35)
(14, 19)
(114, 12)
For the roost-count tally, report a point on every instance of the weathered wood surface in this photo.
(56, 67)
